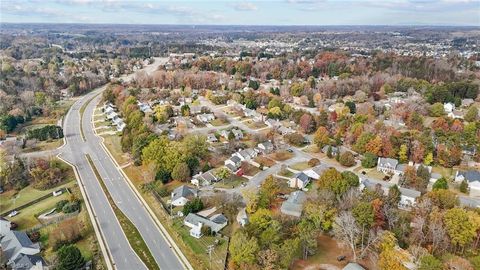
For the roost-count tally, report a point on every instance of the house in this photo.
(469, 202)
(211, 138)
(265, 147)
(121, 126)
(111, 115)
(467, 102)
(353, 266)
(285, 130)
(272, 123)
(469, 150)
(316, 172)
(204, 179)
(182, 194)
(300, 181)
(195, 222)
(473, 179)
(195, 109)
(237, 134)
(246, 154)
(334, 149)
(206, 117)
(407, 196)
(242, 217)
(293, 206)
(448, 107)
(387, 165)
(144, 107)
(233, 163)
(18, 250)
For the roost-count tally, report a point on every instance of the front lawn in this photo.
(233, 182)
(281, 155)
(12, 199)
(300, 166)
(27, 217)
(219, 122)
(264, 161)
(249, 169)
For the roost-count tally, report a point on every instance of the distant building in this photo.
(195, 222)
(473, 179)
(407, 196)
(300, 181)
(265, 147)
(204, 179)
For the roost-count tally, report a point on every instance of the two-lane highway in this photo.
(74, 151)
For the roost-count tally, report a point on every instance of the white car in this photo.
(13, 213)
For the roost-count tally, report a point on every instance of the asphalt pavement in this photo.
(74, 152)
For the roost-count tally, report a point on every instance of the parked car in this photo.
(13, 213)
(290, 150)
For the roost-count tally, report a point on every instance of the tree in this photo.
(428, 159)
(441, 183)
(351, 178)
(181, 172)
(243, 249)
(321, 137)
(443, 198)
(437, 110)
(429, 262)
(403, 153)
(70, 258)
(374, 146)
(268, 191)
(294, 139)
(461, 227)
(363, 213)
(394, 196)
(332, 180)
(390, 258)
(329, 152)
(464, 186)
(351, 106)
(306, 123)
(275, 113)
(192, 206)
(223, 173)
(346, 230)
(347, 159)
(369, 160)
(472, 114)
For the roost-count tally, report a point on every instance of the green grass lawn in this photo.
(446, 172)
(286, 173)
(25, 195)
(27, 217)
(43, 146)
(312, 149)
(233, 182)
(219, 122)
(112, 142)
(199, 246)
(300, 166)
(255, 125)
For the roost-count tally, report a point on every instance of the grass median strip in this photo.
(133, 235)
(82, 110)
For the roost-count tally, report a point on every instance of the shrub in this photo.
(59, 205)
(369, 160)
(71, 207)
(34, 236)
(67, 232)
(440, 184)
(192, 206)
(313, 162)
(294, 139)
(347, 159)
(464, 186)
(70, 258)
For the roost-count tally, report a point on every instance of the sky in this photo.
(260, 12)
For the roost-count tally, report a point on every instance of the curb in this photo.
(107, 255)
(157, 222)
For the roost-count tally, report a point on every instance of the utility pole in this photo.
(209, 251)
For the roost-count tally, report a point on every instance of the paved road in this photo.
(74, 151)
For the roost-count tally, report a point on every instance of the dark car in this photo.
(341, 258)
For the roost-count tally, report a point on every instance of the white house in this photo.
(195, 222)
(473, 179)
(407, 196)
(182, 194)
(387, 165)
(237, 134)
(293, 206)
(233, 163)
(265, 147)
(300, 181)
(206, 117)
(204, 179)
(246, 154)
(316, 172)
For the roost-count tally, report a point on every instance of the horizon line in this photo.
(247, 25)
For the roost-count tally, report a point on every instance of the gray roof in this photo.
(471, 175)
(235, 159)
(353, 266)
(13, 241)
(293, 206)
(469, 202)
(372, 183)
(302, 177)
(28, 261)
(216, 222)
(390, 162)
(183, 191)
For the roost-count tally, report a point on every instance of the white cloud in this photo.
(245, 6)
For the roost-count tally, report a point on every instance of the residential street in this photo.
(74, 151)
